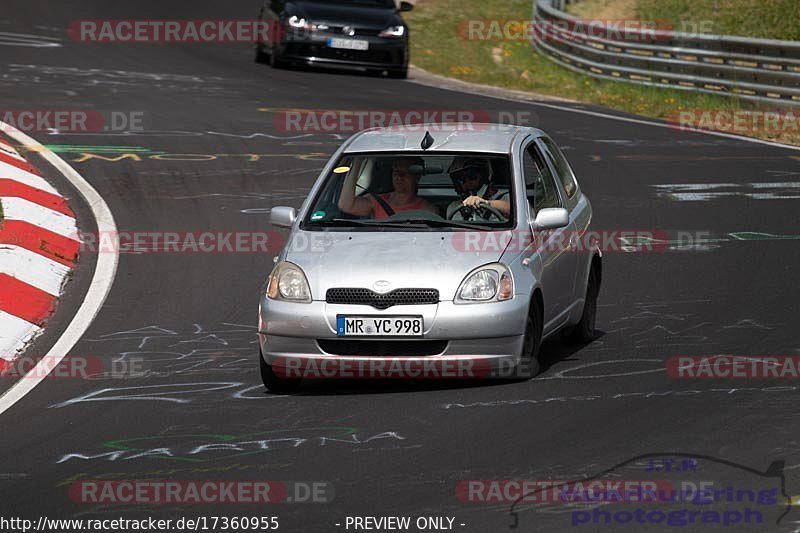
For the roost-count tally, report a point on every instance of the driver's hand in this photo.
(473, 201)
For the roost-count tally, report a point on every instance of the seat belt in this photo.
(384, 205)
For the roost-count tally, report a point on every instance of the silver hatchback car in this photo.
(430, 251)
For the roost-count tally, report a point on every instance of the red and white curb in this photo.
(105, 267)
(38, 247)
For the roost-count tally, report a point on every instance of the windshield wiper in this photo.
(410, 223)
(356, 223)
(341, 222)
(448, 224)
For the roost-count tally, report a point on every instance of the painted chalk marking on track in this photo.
(672, 393)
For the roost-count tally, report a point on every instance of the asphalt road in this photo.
(386, 448)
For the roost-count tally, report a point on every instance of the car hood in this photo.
(391, 259)
(358, 16)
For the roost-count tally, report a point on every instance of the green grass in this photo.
(770, 19)
(437, 47)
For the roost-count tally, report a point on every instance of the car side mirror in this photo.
(406, 6)
(551, 218)
(282, 216)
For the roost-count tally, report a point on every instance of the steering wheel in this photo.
(483, 211)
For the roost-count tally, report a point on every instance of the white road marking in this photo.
(102, 280)
(15, 333)
(32, 268)
(487, 90)
(21, 209)
(700, 192)
(26, 39)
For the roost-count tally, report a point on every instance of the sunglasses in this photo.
(465, 174)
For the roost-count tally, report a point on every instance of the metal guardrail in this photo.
(756, 69)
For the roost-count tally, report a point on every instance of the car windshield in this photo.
(414, 191)
(385, 4)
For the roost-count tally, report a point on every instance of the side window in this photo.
(540, 188)
(565, 173)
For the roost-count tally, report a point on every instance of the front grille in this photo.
(364, 56)
(360, 296)
(365, 348)
(372, 32)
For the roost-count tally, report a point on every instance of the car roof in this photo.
(463, 137)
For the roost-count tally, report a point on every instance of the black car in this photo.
(366, 34)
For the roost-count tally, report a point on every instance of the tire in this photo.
(529, 365)
(261, 56)
(399, 73)
(275, 383)
(274, 58)
(584, 332)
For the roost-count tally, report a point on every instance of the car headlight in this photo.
(299, 23)
(287, 282)
(489, 283)
(393, 32)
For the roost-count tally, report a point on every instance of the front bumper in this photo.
(313, 49)
(489, 333)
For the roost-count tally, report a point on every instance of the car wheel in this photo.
(529, 365)
(399, 73)
(584, 331)
(274, 59)
(275, 383)
(261, 56)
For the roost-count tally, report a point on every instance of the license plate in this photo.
(348, 44)
(379, 326)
